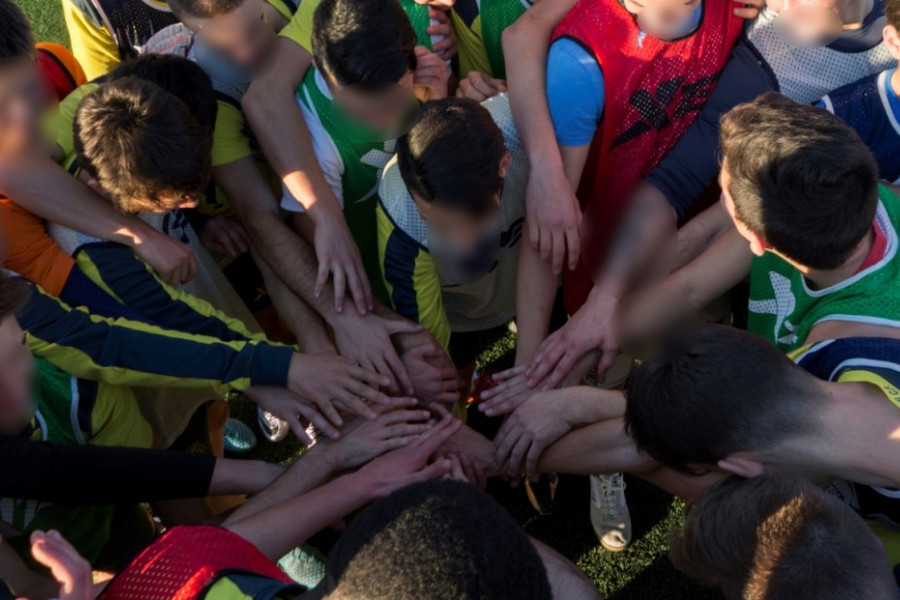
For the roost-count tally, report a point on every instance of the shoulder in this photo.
(398, 205)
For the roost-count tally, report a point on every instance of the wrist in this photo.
(330, 456)
(132, 232)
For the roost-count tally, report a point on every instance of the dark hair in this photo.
(778, 536)
(179, 76)
(16, 39)
(892, 12)
(367, 43)
(14, 293)
(203, 9)
(713, 390)
(431, 540)
(801, 179)
(140, 142)
(452, 156)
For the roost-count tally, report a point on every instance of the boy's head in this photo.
(365, 51)
(179, 76)
(453, 162)
(236, 29)
(665, 19)
(16, 406)
(811, 23)
(715, 396)
(141, 148)
(22, 91)
(781, 537)
(892, 29)
(429, 540)
(797, 181)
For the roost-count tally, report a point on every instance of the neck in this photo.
(820, 279)
(860, 439)
(274, 17)
(854, 12)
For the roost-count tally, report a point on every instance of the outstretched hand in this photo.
(67, 566)
(363, 440)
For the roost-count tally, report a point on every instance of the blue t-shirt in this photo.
(872, 108)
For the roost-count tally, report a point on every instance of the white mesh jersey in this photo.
(807, 74)
(491, 300)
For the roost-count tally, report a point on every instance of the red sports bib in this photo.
(181, 563)
(654, 91)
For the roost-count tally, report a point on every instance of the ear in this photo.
(742, 466)
(758, 246)
(892, 41)
(504, 165)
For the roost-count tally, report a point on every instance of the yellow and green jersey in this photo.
(105, 32)
(784, 309)
(423, 282)
(479, 26)
(249, 586)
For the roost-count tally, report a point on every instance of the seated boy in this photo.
(871, 105)
(781, 537)
(450, 215)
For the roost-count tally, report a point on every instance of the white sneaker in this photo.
(273, 428)
(609, 512)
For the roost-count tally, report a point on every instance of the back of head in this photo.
(16, 39)
(800, 178)
(365, 43)
(141, 144)
(203, 9)
(452, 156)
(892, 13)
(710, 391)
(441, 540)
(781, 538)
(179, 76)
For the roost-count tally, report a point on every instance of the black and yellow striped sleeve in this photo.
(130, 353)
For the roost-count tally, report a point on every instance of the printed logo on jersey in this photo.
(671, 100)
(781, 307)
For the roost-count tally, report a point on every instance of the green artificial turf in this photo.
(642, 572)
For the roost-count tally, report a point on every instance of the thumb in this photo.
(395, 326)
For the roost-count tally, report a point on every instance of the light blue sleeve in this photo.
(575, 92)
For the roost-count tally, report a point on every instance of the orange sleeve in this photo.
(31, 252)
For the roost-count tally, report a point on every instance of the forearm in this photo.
(281, 527)
(698, 234)
(271, 108)
(41, 185)
(602, 447)
(313, 469)
(242, 476)
(647, 228)
(536, 291)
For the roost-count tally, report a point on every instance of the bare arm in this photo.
(553, 210)
(242, 476)
(272, 110)
(685, 292)
(47, 190)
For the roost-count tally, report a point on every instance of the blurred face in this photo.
(810, 23)
(461, 230)
(389, 111)
(16, 405)
(245, 36)
(664, 19)
(23, 101)
(163, 203)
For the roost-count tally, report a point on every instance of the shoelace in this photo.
(610, 498)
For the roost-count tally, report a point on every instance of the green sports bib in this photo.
(56, 420)
(418, 17)
(364, 153)
(496, 16)
(783, 309)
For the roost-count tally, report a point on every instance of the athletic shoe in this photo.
(239, 439)
(609, 511)
(542, 493)
(273, 428)
(305, 565)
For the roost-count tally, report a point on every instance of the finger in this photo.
(405, 416)
(192, 267)
(437, 436)
(399, 371)
(446, 397)
(514, 466)
(573, 245)
(318, 419)
(410, 430)
(396, 326)
(563, 367)
(607, 358)
(531, 460)
(559, 251)
(340, 287)
(534, 235)
(510, 373)
(321, 280)
(365, 285)
(299, 430)
(395, 404)
(367, 392)
(437, 30)
(243, 238)
(330, 412)
(456, 470)
(443, 46)
(381, 367)
(394, 443)
(483, 85)
(351, 403)
(435, 470)
(356, 292)
(504, 443)
(546, 247)
(541, 368)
